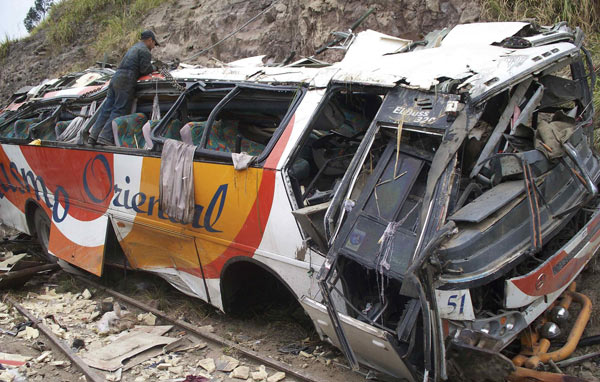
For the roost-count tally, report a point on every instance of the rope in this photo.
(234, 32)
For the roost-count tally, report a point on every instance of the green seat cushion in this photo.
(129, 130)
(22, 126)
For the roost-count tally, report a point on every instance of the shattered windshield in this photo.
(385, 203)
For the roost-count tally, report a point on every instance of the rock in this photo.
(147, 318)
(107, 305)
(60, 363)
(207, 364)
(470, 15)
(305, 354)
(261, 374)
(207, 328)
(29, 333)
(43, 356)
(86, 294)
(433, 5)
(240, 372)
(588, 376)
(226, 363)
(164, 366)
(178, 370)
(276, 377)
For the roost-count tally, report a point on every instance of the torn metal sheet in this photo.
(481, 33)
(127, 346)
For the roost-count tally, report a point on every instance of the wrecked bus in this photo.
(425, 201)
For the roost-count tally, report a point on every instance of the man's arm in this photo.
(145, 58)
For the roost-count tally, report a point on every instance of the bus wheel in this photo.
(42, 229)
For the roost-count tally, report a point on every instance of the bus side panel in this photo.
(13, 194)
(231, 210)
(73, 187)
(85, 250)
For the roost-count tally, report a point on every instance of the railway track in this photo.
(211, 338)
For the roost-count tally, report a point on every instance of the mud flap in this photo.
(80, 243)
(371, 345)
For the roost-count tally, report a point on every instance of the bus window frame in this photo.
(234, 89)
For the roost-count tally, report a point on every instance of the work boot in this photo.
(104, 142)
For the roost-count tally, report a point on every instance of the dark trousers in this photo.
(118, 103)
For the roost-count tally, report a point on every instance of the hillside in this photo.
(78, 33)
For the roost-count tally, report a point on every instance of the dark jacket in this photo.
(137, 59)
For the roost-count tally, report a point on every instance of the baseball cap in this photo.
(149, 34)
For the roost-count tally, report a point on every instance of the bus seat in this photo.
(171, 133)
(146, 129)
(21, 127)
(301, 169)
(354, 123)
(60, 127)
(127, 130)
(251, 147)
(222, 136)
(173, 128)
(191, 132)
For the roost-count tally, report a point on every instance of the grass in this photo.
(577, 13)
(5, 46)
(110, 25)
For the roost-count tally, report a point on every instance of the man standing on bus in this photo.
(121, 89)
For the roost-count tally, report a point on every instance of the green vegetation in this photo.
(577, 13)
(5, 47)
(115, 23)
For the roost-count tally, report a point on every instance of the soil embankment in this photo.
(186, 26)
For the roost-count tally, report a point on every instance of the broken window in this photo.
(230, 118)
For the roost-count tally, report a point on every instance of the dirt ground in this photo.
(273, 330)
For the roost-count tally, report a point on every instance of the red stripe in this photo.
(273, 159)
(252, 231)
(12, 363)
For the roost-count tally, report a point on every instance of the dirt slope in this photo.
(187, 26)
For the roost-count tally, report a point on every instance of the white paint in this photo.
(248, 61)
(85, 233)
(481, 33)
(455, 304)
(302, 116)
(516, 298)
(371, 44)
(12, 216)
(182, 281)
(126, 166)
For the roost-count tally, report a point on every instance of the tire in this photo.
(42, 230)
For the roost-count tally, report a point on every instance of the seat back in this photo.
(61, 126)
(146, 129)
(191, 132)
(251, 147)
(173, 128)
(172, 131)
(22, 126)
(222, 136)
(127, 130)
